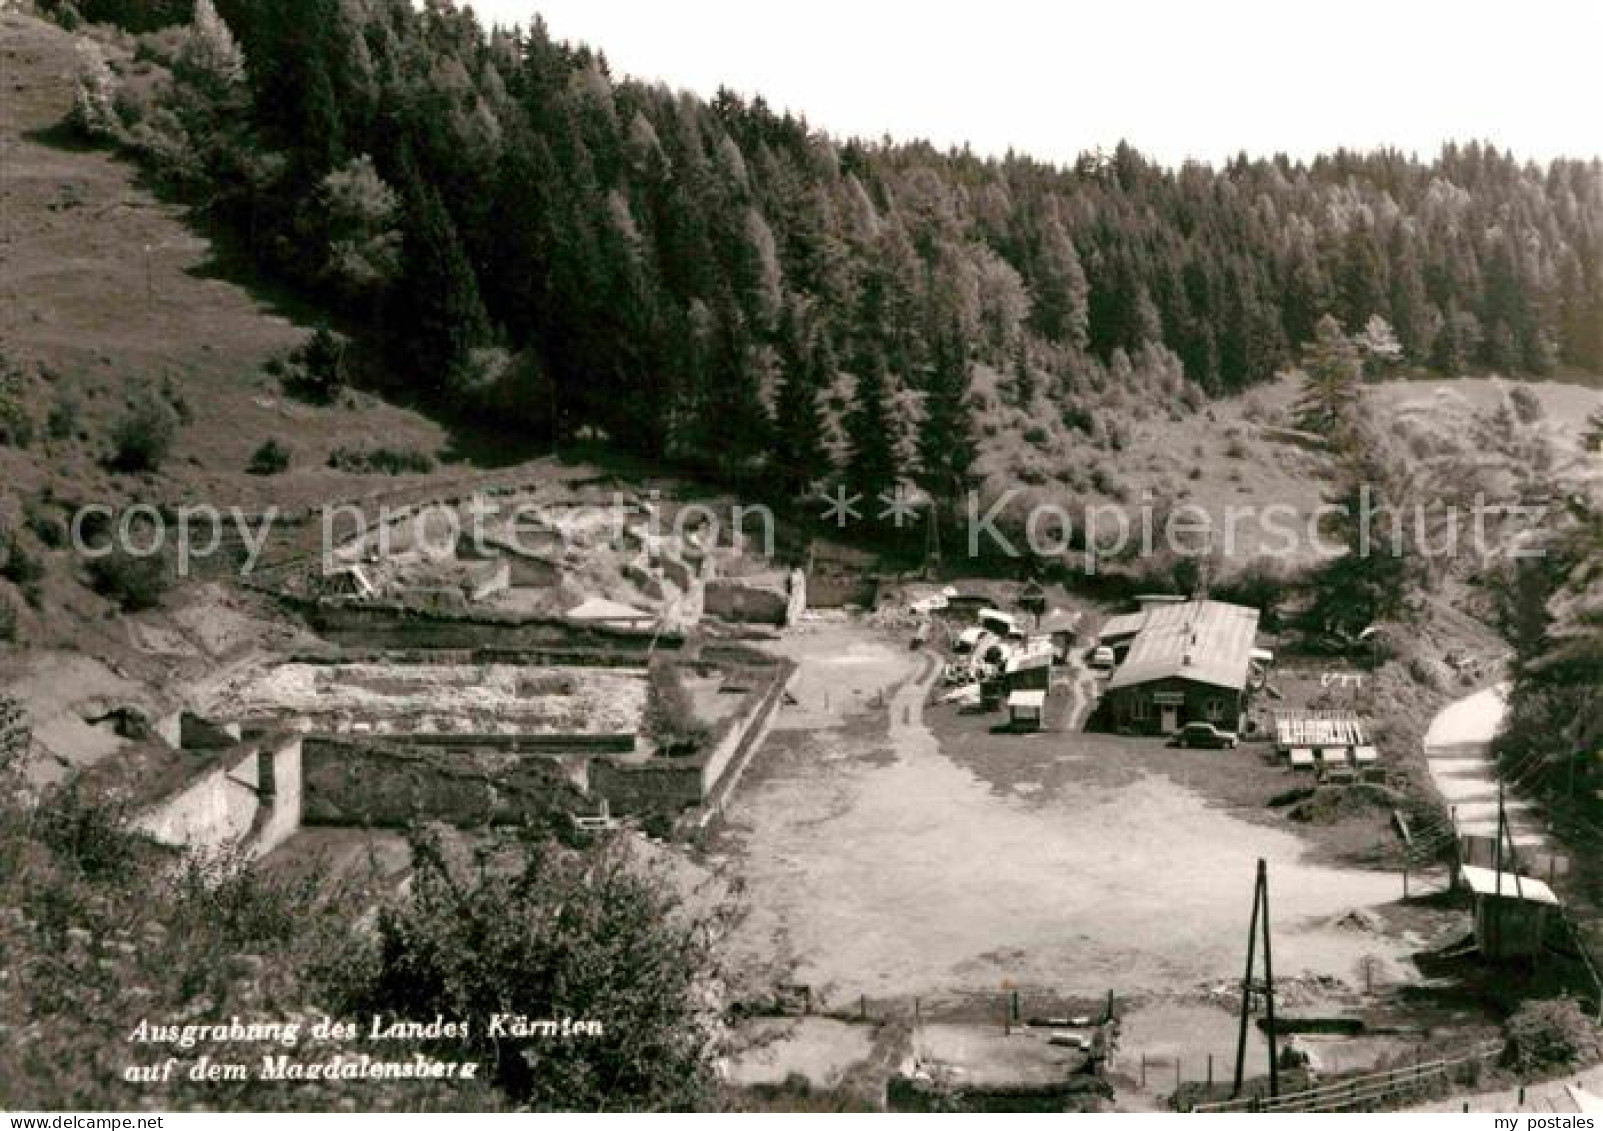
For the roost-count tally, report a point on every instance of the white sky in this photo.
(1178, 79)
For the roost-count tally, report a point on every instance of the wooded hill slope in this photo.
(540, 242)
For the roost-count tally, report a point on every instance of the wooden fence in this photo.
(1369, 1090)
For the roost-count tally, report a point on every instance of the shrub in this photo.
(88, 833)
(1545, 1037)
(8, 619)
(315, 369)
(94, 98)
(272, 458)
(21, 568)
(135, 583)
(381, 461)
(144, 436)
(1527, 406)
(47, 525)
(670, 716)
(65, 410)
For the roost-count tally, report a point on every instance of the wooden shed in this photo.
(1511, 912)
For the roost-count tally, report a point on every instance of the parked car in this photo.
(1206, 736)
(1101, 657)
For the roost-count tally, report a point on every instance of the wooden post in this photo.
(1246, 994)
(862, 1006)
(1269, 984)
(1143, 1071)
(1210, 1075)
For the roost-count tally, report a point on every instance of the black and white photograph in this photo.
(579, 556)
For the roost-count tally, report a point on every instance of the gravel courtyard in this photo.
(894, 850)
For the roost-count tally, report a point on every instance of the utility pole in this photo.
(1259, 925)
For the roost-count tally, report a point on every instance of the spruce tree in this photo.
(871, 465)
(946, 444)
(798, 449)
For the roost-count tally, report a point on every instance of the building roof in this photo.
(1023, 661)
(601, 609)
(1203, 641)
(1125, 624)
(1027, 699)
(1484, 881)
(1060, 620)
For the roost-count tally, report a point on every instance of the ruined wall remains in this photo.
(281, 776)
(748, 602)
(391, 626)
(363, 782)
(662, 785)
(727, 761)
(215, 810)
(250, 797)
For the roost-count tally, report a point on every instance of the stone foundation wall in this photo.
(355, 782)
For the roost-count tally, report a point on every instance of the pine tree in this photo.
(1023, 377)
(946, 444)
(871, 466)
(1332, 372)
(1062, 296)
(798, 456)
(441, 314)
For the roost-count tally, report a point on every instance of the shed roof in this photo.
(1484, 881)
(1202, 641)
(1024, 660)
(1027, 699)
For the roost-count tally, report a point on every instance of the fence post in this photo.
(1210, 1075)
(1143, 1071)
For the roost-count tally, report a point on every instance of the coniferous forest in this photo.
(538, 242)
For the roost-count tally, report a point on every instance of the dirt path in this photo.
(1458, 749)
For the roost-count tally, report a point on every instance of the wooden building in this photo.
(1511, 912)
(1187, 662)
(1026, 710)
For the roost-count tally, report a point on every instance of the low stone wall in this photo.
(728, 756)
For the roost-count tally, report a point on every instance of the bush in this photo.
(20, 567)
(272, 458)
(8, 620)
(670, 716)
(381, 461)
(135, 583)
(47, 525)
(144, 437)
(1548, 1037)
(65, 411)
(90, 834)
(315, 369)
(1527, 406)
